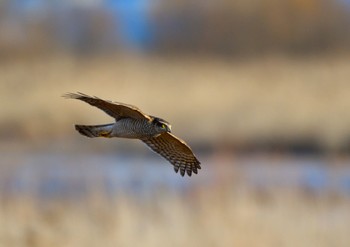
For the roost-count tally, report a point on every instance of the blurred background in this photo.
(258, 88)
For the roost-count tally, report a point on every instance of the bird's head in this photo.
(161, 125)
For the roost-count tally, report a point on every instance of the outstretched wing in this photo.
(114, 109)
(175, 151)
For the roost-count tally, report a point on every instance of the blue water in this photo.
(59, 174)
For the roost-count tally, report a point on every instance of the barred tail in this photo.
(95, 130)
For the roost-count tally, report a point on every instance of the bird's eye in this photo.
(163, 126)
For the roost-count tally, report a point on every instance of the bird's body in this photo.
(131, 123)
(122, 128)
(132, 128)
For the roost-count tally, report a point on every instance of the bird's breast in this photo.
(132, 128)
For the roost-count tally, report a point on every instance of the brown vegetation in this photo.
(207, 218)
(268, 100)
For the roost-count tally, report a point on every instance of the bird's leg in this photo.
(105, 134)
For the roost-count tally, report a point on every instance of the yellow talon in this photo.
(105, 134)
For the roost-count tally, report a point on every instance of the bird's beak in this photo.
(169, 128)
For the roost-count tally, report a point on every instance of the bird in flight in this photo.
(131, 122)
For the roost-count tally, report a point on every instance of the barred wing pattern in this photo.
(176, 152)
(114, 109)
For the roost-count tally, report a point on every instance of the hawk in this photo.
(131, 122)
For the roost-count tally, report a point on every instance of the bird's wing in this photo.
(114, 109)
(176, 151)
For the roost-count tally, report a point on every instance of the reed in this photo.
(204, 217)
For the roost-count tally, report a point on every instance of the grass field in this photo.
(270, 98)
(200, 218)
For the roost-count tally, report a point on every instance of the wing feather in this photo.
(114, 109)
(176, 151)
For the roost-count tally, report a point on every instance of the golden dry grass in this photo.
(266, 98)
(207, 218)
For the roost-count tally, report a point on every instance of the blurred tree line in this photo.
(227, 27)
(254, 26)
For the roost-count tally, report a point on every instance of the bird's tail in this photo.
(95, 130)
